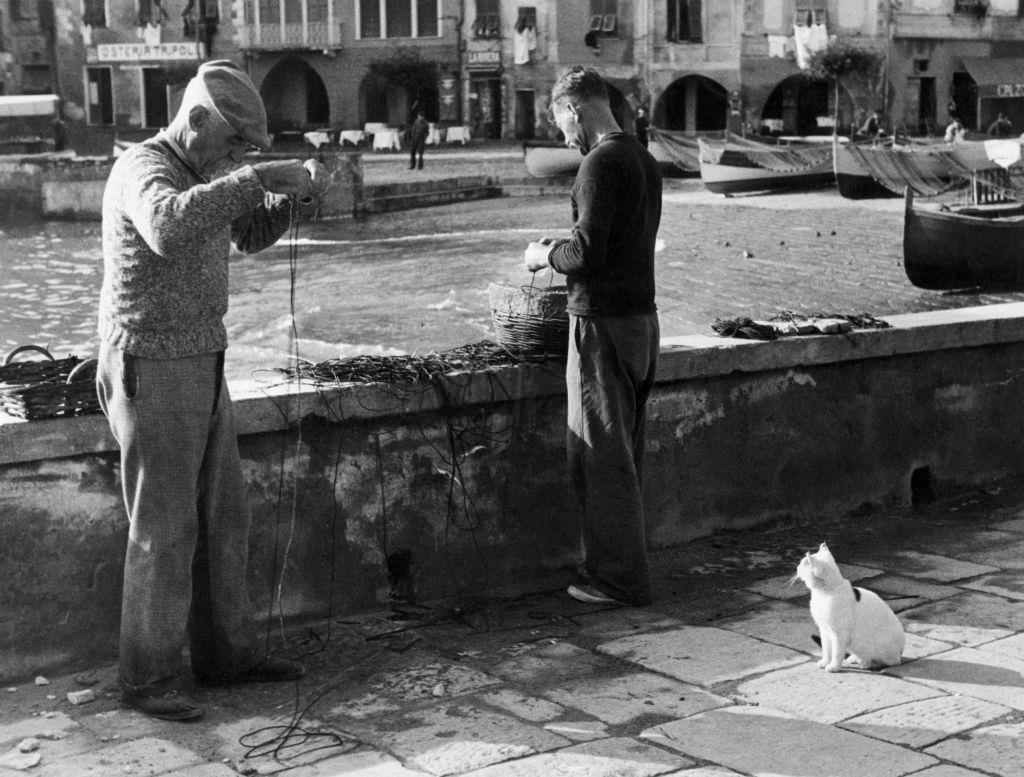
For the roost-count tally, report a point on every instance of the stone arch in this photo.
(692, 103)
(794, 105)
(295, 96)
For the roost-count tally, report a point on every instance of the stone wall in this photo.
(456, 489)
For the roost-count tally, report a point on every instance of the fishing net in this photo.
(403, 369)
(928, 172)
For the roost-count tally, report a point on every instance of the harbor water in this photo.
(417, 281)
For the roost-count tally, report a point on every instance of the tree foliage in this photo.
(406, 70)
(859, 71)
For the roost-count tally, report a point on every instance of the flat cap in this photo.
(222, 85)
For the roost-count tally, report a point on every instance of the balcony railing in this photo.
(311, 35)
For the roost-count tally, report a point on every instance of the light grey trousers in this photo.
(609, 375)
(185, 566)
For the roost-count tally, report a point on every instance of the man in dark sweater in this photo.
(613, 333)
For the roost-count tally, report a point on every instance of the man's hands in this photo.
(293, 178)
(537, 253)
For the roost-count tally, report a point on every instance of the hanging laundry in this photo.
(520, 48)
(151, 34)
(1004, 153)
(531, 38)
(808, 39)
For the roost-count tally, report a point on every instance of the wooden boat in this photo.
(740, 165)
(955, 247)
(676, 152)
(550, 159)
(885, 169)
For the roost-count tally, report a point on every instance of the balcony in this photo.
(311, 35)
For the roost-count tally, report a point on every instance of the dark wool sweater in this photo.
(166, 240)
(616, 209)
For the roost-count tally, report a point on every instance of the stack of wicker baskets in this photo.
(530, 320)
(47, 388)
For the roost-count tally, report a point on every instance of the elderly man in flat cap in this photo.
(172, 206)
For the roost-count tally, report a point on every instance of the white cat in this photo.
(851, 620)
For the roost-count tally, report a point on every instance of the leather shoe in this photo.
(591, 595)
(168, 704)
(267, 670)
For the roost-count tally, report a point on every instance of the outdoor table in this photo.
(317, 138)
(355, 137)
(435, 136)
(387, 139)
(458, 134)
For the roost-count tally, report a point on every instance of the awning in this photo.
(28, 105)
(996, 77)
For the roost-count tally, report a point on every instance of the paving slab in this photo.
(362, 763)
(922, 723)
(144, 757)
(927, 566)
(1014, 524)
(1009, 585)
(968, 619)
(948, 770)
(890, 586)
(547, 664)
(784, 587)
(972, 672)
(782, 623)
(809, 692)
(606, 758)
(996, 750)
(578, 730)
(1008, 646)
(620, 700)
(457, 738)
(701, 655)
(1006, 555)
(917, 646)
(767, 743)
(521, 705)
(394, 688)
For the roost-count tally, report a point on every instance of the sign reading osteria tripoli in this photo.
(139, 52)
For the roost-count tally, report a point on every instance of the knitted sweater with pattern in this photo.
(167, 236)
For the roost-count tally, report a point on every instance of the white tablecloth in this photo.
(385, 139)
(460, 134)
(317, 138)
(436, 136)
(373, 126)
(355, 137)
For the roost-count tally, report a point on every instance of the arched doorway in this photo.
(694, 104)
(794, 106)
(295, 96)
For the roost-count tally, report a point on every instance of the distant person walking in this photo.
(640, 126)
(1002, 127)
(418, 133)
(872, 128)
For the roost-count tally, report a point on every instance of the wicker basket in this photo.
(47, 389)
(530, 320)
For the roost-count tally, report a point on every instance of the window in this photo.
(487, 23)
(805, 15)
(976, 8)
(603, 17)
(154, 97)
(684, 21)
(100, 95)
(151, 12)
(24, 9)
(94, 13)
(398, 18)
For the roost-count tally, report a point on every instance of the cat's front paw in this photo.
(823, 663)
(833, 667)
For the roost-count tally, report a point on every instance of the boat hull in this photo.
(744, 166)
(551, 160)
(964, 248)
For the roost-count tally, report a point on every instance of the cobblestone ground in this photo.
(716, 678)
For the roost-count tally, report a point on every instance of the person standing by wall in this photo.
(1002, 127)
(614, 336)
(640, 125)
(172, 206)
(418, 134)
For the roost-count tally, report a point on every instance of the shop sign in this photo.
(1009, 90)
(488, 60)
(145, 52)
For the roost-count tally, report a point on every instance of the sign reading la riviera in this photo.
(138, 52)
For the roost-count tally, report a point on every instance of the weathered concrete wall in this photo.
(456, 490)
(53, 186)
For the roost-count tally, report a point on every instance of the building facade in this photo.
(488, 65)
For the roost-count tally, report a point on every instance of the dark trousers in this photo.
(185, 566)
(610, 373)
(416, 150)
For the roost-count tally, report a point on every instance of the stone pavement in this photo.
(717, 677)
